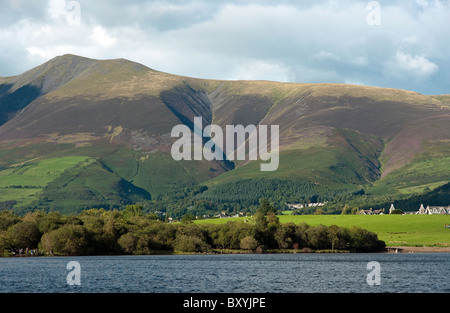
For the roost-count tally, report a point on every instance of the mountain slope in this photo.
(17, 92)
(119, 114)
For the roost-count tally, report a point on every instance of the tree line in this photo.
(240, 196)
(130, 231)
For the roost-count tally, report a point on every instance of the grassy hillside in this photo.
(117, 117)
(348, 160)
(24, 182)
(385, 141)
(103, 175)
(428, 169)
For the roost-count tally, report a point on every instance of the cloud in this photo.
(100, 36)
(286, 40)
(416, 66)
(57, 10)
(325, 55)
(262, 70)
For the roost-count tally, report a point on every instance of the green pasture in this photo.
(394, 230)
(24, 182)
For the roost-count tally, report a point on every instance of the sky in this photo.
(393, 43)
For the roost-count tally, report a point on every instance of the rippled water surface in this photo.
(248, 273)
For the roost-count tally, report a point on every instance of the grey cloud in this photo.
(302, 41)
(160, 15)
(12, 11)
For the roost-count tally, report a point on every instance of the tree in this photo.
(266, 207)
(165, 236)
(339, 237)
(128, 243)
(135, 243)
(319, 211)
(7, 219)
(185, 243)
(301, 235)
(49, 222)
(318, 237)
(132, 210)
(285, 235)
(24, 235)
(362, 240)
(187, 218)
(222, 236)
(272, 220)
(346, 210)
(5, 242)
(260, 221)
(249, 243)
(261, 227)
(68, 240)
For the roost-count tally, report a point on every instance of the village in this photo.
(429, 210)
(422, 210)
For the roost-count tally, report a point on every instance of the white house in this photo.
(391, 208)
(433, 210)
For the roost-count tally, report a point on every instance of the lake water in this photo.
(247, 273)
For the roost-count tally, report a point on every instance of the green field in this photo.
(25, 181)
(394, 230)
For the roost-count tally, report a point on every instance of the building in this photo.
(391, 208)
(422, 210)
(371, 212)
(301, 206)
(433, 210)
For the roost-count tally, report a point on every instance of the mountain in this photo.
(77, 133)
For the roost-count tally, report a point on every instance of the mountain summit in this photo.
(79, 133)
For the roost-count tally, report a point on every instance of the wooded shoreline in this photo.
(399, 249)
(102, 232)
